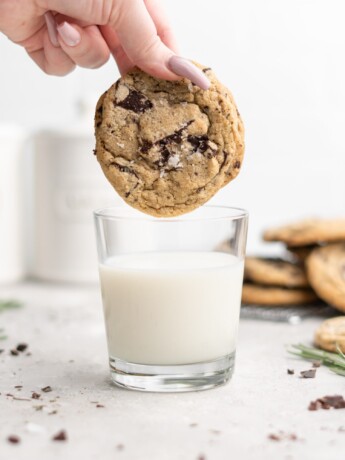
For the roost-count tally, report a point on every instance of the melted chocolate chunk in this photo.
(199, 143)
(206, 69)
(136, 102)
(125, 169)
(163, 144)
(237, 164)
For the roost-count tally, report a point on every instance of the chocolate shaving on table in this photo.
(309, 374)
(14, 352)
(35, 395)
(21, 347)
(327, 402)
(46, 389)
(290, 371)
(60, 436)
(13, 439)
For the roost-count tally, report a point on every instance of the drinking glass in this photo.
(171, 291)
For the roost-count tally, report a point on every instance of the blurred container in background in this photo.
(13, 141)
(68, 186)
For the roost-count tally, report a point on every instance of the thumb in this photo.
(140, 41)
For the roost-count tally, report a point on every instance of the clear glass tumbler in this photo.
(171, 291)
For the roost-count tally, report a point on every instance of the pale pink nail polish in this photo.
(69, 34)
(52, 29)
(187, 69)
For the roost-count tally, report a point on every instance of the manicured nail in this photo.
(52, 30)
(186, 68)
(69, 34)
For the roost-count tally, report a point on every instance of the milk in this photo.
(171, 308)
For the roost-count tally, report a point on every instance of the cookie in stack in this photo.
(275, 282)
(318, 247)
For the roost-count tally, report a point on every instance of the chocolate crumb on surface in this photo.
(290, 371)
(21, 347)
(13, 439)
(18, 386)
(281, 436)
(46, 389)
(14, 352)
(309, 374)
(316, 364)
(327, 402)
(60, 436)
(1, 350)
(35, 395)
(99, 405)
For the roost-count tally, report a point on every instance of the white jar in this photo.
(13, 141)
(68, 185)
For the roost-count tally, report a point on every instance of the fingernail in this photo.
(69, 34)
(52, 30)
(186, 68)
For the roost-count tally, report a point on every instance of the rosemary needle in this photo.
(334, 361)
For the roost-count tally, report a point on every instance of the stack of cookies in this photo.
(313, 267)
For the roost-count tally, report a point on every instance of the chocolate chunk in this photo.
(199, 143)
(22, 346)
(290, 371)
(14, 352)
(327, 402)
(309, 374)
(125, 169)
(13, 439)
(274, 437)
(237, 164)
(316, 363)
(136, 102)
(60, 436)
(47, 389)
(99, 405)
(35, 395)
(94, 151)
(206, 69)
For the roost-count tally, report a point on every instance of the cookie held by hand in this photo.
(168, 147)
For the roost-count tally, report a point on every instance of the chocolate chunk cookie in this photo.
(168, 147)
(274, 296)
(274, 272)
(300, 253)
(309, 231)
(330, 334)
(326, 274)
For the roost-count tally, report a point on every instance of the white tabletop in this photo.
(63, 326)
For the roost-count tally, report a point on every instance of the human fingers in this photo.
(122, 60)
(138, 36)
(162, 23)
(51, 59)
(84, 45)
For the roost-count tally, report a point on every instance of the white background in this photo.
(283, 60)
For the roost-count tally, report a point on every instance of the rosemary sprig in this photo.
(334, 361)
(9, 304)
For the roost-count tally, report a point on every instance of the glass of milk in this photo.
(171, 291)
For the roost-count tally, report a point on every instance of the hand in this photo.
(60, 34)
